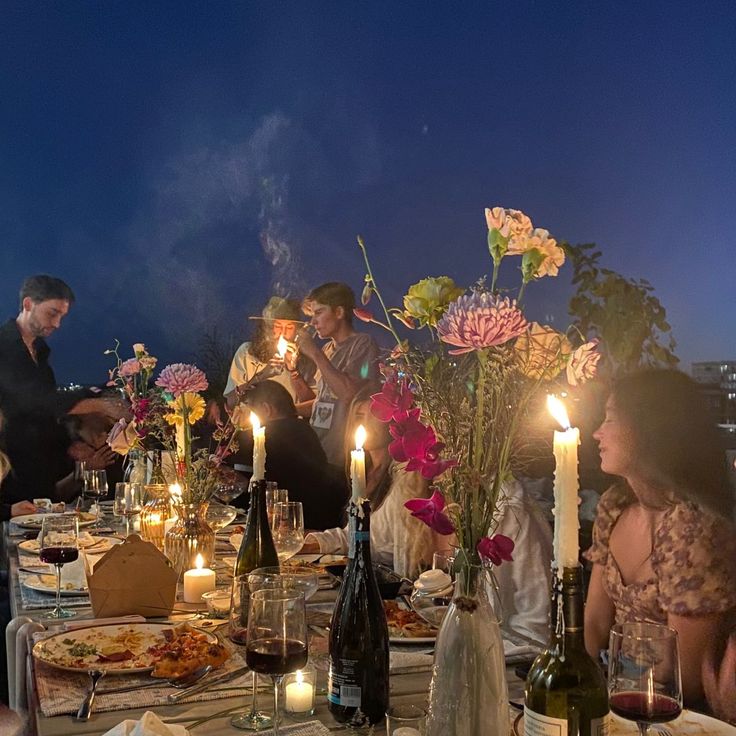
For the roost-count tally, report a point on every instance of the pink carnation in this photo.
(129, 368)
(496, 548)
(182, 378)
(480, 320)
(583, 363)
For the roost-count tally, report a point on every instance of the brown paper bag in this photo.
(132, 578)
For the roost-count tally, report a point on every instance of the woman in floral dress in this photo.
(663, 543)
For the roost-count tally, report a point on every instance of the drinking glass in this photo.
(274, 495)
(95, 486)
(277, 638)
(444, 561)
(58, 546)
(644, 674)
(80, 468)
(409, 719)
(287, 528)
(128, 502)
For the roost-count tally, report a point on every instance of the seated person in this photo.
(663, 544)
(719, 680)
(258, 360)
(294, 456)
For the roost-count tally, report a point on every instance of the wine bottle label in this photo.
(357, 537)
(535, 724)
(343, 687)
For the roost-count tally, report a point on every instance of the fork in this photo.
(85, 710)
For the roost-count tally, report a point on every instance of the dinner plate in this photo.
(688, 724)
(35, 521)
(44, 583)
(96, 545)
(402, 640)
(138, 638)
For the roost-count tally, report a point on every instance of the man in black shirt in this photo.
(34, 441)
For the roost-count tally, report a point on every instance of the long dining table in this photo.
(409, 684)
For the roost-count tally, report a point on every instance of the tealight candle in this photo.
(565, 544)
(198, 581)
(299, 694)
(259, 447)
(357, 465)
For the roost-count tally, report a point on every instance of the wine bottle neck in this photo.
(257, 513)
(567, 607)
(359, 528)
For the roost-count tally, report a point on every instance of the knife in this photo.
(176, 697)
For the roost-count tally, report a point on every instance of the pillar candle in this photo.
(357, 466)
(197, 581)
(565, 448)
(259, 447)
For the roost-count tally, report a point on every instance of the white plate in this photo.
(403, 640)
(35, 521)
(138, 638)
(688, 724)
(97, 545)
(47, 584)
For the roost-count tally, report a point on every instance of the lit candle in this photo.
(281, 347)
(175, 493)
(259, 447)
(566, 550)
(357, 465)
(128, 497)
(299, 695)
(197, 581)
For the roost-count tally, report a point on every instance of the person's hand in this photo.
(307, 345)
(719, 683)
(101, 458)
(22, 507)
(292, 355)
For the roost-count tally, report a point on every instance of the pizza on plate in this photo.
(405, 623)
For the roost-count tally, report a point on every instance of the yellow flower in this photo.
(542, 352)
(193, 403)
(427, 300)
(543, 256)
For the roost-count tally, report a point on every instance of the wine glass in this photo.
(128, 502)
(274, 494)
(287, 528)
(80, 468)
(95, 485)
(218, 516)
(228, 492)
(277, 638)
(644, 674)
(58, 546)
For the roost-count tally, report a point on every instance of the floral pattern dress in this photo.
(693, 561)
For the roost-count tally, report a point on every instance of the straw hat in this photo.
(280, 308)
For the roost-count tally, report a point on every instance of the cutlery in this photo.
(181, 683)
(176, 697)
(85, 710)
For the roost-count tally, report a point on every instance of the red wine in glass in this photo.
(59, 555)
(276, 656)
(639, 706)
(238, 636)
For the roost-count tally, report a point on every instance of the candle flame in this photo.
(557, 409)
(175, 491)
(199, 562)
(299, 677)
(360, 435)
(281, 347)
(255, 421)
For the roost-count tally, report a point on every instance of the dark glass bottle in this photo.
(257, 548)
(565, 690)
(357, 688)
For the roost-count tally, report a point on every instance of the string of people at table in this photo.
(663, 547)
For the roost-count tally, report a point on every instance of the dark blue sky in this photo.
(176, 161)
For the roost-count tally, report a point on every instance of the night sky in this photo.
(176, 162)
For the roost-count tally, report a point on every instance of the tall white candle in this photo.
(357, 465)
(566, 548)
(259, 447)
(197, 581)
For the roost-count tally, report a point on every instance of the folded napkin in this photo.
(310, 728)
(149, 725)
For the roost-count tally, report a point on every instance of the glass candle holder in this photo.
(300, 688)
(218, 603)
(406, 720)
(155, 512)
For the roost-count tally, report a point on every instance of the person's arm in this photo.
(697, 638)
(341, 384)
(599, 614)
(330, 541)
(304, 408)
(302, 390)
(719, 683)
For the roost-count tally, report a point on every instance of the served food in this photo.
(168, 651)
(86, 542)
(404, 623)
(35, 521)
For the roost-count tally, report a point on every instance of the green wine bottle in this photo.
(566, 691)
(257, 548)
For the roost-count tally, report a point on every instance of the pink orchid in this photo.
(417, 445)
(393, 402)
(431, 512)
(409, 428)
(496, 548)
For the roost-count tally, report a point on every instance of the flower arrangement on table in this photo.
(457, 403)
(163, 415)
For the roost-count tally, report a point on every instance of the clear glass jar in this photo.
(190, 536)
(155, 512)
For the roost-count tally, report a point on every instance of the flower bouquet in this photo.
(457, 403)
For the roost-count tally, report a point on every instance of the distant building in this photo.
(718, 381)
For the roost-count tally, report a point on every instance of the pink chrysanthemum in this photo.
(480, 320)
(130, 367)
(182, 378)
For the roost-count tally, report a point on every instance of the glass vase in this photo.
(190, 536)
(468, 693)
(154, 513)
(136, 467)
